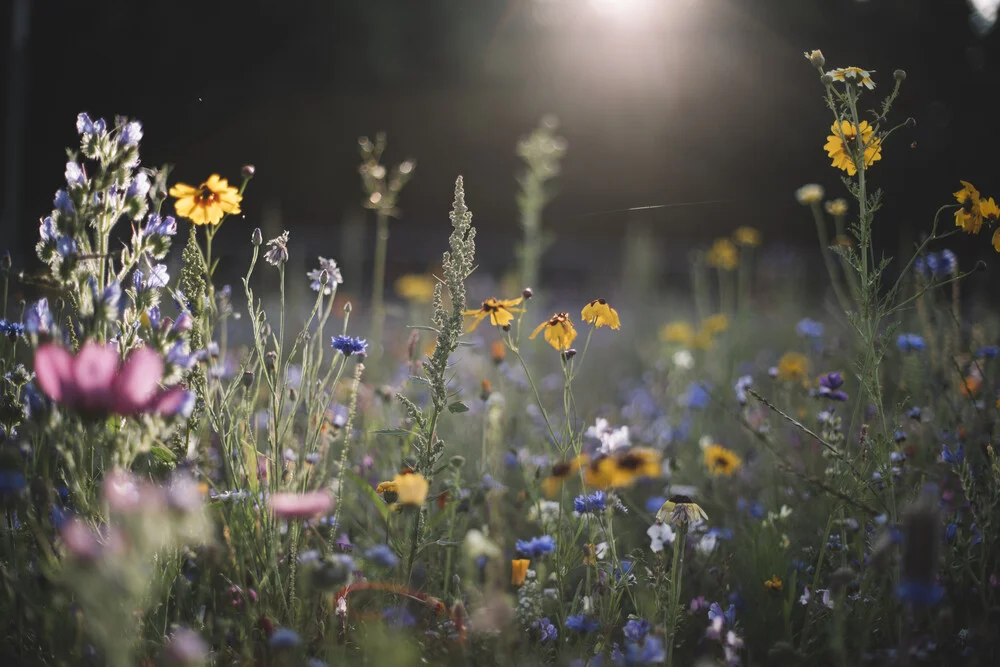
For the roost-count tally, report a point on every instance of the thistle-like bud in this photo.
(815, 58)
(324, 277)
(257, 238)
(910, 123)
(899, 75)
(527, 293)
(248, 171)
(247, 379)
(271, 360)
(457, 461)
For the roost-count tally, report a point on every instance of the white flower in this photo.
(705, 441)
(601, 550)
(809, 194)
(707, 543)
(599, 428)
(615, 440)
(683, 359)
(477, 544)
(659, 534)
(544, 511)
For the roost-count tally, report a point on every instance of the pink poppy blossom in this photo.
(301, 505)
(96, 381)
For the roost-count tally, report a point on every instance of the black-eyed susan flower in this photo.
(680, 509)
(519, 571)
(418, 288)
(854, 75)
(715, 324)
(723, 255)
(600, 314)
(500, 311)
(793, 366)
(841, 143)
(721, 461)
(680, 332)
(623, 468)
(560, 473)
(389, 491)
(559, 331)
(746, 236)
(969, 216)
(208, 203)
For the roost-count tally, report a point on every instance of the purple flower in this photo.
(954, 458)
(582, 624)
(63, 202)
(38, 318)
(808, 328)
(636, 630)
(650, 652)
(547, 631)
(85, 126)
(132, 133)
(74, 174)
(910, 342)
(347, 345)
(383, 556)
(139, 187)
(157, 226)
(591, 504)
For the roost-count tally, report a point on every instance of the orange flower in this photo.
(519, 571)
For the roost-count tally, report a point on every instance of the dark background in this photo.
(699, 100)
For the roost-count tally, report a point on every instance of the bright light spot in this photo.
(631, 9)
(984, 14)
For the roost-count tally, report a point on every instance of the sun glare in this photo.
(630, 9)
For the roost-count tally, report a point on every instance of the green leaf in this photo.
(396, 432)
(458, 407)
(366, 488)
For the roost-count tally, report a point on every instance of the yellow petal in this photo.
(538, 330)
(182, 190)
(183, 207)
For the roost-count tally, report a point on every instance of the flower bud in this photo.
(257, 238)
(247, 379)
(527, 293)
(248, 171)
(569, 354)
(271, 360)
(348, 307)
(324, 277)
(899, 75)
(457, 461)
(815, 58)
(826, 80)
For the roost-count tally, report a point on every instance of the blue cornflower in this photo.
(910, 342)
(988, 352)
(333, 276)
(66, 246)
(581, 623)
(285, 638)
(382, 555)
(11, 329)
(399, 617)
(591, 504)
(741, 387)
(547, 631)
(728, 616)
(11, 482)
(808, 328)
(914, 412)
(132, 133)
(829, 387)
(347, 345)
(650, 652)
(654, 503)
(161, 226)
(536, 546)
(954, 458)
(636, 630)
(696, 396)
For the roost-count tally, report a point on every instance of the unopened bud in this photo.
(527, 293)
(815, 58)
(257, 238)
(910, 123)
(248, 171)
(247, 379)
(457, 461)
(271, 360)
(980, 265)
(506, 327)
(899, 75)
(348, 307)
(569, 354)
(826, 80)
(292, 394)
(324, 277)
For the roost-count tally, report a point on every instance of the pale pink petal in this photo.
(80, 540)
(54, 368)
(169, 402)
(138, 380)
(301, 505)
(94, 371)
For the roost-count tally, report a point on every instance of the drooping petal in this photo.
(538, 329)
(136, 384)
(94, 371)
(54, 368)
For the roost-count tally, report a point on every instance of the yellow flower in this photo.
(844, 131)
(809, 194)
(519, 571)
(559, 331)
(969, 217)
(703, 340)
(418, 288)
(388, 490)
(622, 469)
(560, 473)
(677, 332)
(746, 236)
(773, 584)
(837, 207)
(208, 203)
(715, 324)
(721, 461)
(600, 314)
(793, 366)
(500, 312)
(681, 510)
(411, 488)
(722, 255)
(854, 75)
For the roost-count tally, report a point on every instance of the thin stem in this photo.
(378, 279)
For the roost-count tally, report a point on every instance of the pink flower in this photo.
(96, 381)
(301, 505)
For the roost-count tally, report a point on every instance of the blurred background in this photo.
(683, 118)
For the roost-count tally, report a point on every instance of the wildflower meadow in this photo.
(454, 468)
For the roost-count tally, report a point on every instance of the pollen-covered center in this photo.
(205, 196)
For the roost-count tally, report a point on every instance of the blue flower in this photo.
(347, 345)
(909, 342)
(914, 412)
(697, 396)
(581, 623)
(536, 546)
(158, 276)
(38, 317)
(157, 226)
(85, 126)
(285, 638)
(382, 555)
(74, 174)
(399, 617)
(988, 352)
(636, 630)
(63, 202)
(547, 631)
(954, 458)
(66, 246)
(654, 503)
(591, 504)
(650, 652)
(11, 482)
(139, 187)
(132, 133)
(47, 229)
(808, 328)
(741, 387)
(920, 593)
(950, 533)
(728, 616)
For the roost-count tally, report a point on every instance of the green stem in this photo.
(674, 594)
(378, 279)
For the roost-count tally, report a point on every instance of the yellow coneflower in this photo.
(418, 288)
(680, 509)
(774, 583)
(500, 311)
(560, 473)
(388, 491)
(559, 331)
(208, 203)
(411, 488)
(841, 144)
(622, 469)
(969, 216)
(991, 214)
(854, 75)
(723, 255)
(677, 332)
(519, 571)
(746, 236)
(721, 461)
(600, 314)
(793, 366)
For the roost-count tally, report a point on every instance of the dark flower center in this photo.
(967, 204)
(205, 196)
(681, 500)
